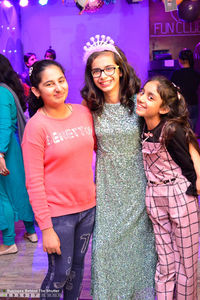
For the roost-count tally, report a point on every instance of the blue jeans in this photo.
(65, 271)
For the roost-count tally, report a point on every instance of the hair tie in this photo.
(30, 71)
(178, 89)
(178, 95)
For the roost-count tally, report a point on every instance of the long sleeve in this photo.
(33, 154)
(58, 164)
(6, 102)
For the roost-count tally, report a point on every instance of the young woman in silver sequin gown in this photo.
(123, 253)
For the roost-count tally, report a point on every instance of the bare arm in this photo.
(196, 161)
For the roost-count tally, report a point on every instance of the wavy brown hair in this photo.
(178, 114)
(129, 83)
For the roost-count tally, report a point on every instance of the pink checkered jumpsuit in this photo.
(174, 215)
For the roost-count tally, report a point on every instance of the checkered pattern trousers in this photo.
(174, 215)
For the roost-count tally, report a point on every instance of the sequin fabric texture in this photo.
(123, 255)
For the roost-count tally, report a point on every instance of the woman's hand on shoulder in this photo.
(51, 241)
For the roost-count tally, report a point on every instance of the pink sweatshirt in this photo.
(58, 164)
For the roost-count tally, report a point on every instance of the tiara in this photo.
(98, 45)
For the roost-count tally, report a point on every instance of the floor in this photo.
(21, 274)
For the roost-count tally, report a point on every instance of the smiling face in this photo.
(108, 84)
(150, 105)
(53, 87)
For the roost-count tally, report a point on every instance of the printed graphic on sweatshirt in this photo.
(70, 133)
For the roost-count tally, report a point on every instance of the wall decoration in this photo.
(168, 32)
(189, 10)
(89, 5)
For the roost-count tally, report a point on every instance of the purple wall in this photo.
(67, 32)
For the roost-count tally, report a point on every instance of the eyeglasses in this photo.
(109, 70)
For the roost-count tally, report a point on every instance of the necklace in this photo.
(67, 106)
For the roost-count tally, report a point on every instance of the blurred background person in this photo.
(50, 54)
(29, 59)
(188, 80)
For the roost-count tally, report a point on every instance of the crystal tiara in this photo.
(98, 45)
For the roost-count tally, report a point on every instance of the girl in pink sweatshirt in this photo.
(58, 148)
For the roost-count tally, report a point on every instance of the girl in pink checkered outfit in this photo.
(171, 159)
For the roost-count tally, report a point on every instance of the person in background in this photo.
(189, 82)
(14, 201)
(50, 54)
(173, 184)
(58, 145)
(123, 252)
(29, 59)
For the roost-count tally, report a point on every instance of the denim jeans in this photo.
(65, 271)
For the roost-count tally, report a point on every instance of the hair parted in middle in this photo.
(129, 83)
(35, 79)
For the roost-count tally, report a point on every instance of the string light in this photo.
(7, 3)
(23, 3)
(43, 2)
(4, 28)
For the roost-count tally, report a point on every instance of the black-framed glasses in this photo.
(109, 70)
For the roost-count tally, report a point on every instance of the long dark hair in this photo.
(178, 114)
(11, 78)
(129, 83)
(35, 79)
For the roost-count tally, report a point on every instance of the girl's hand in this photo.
(3, 170)
(51, 241)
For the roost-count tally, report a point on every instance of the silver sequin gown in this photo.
(123, 255)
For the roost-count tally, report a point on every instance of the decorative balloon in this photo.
(189, 10)
(89, 5)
